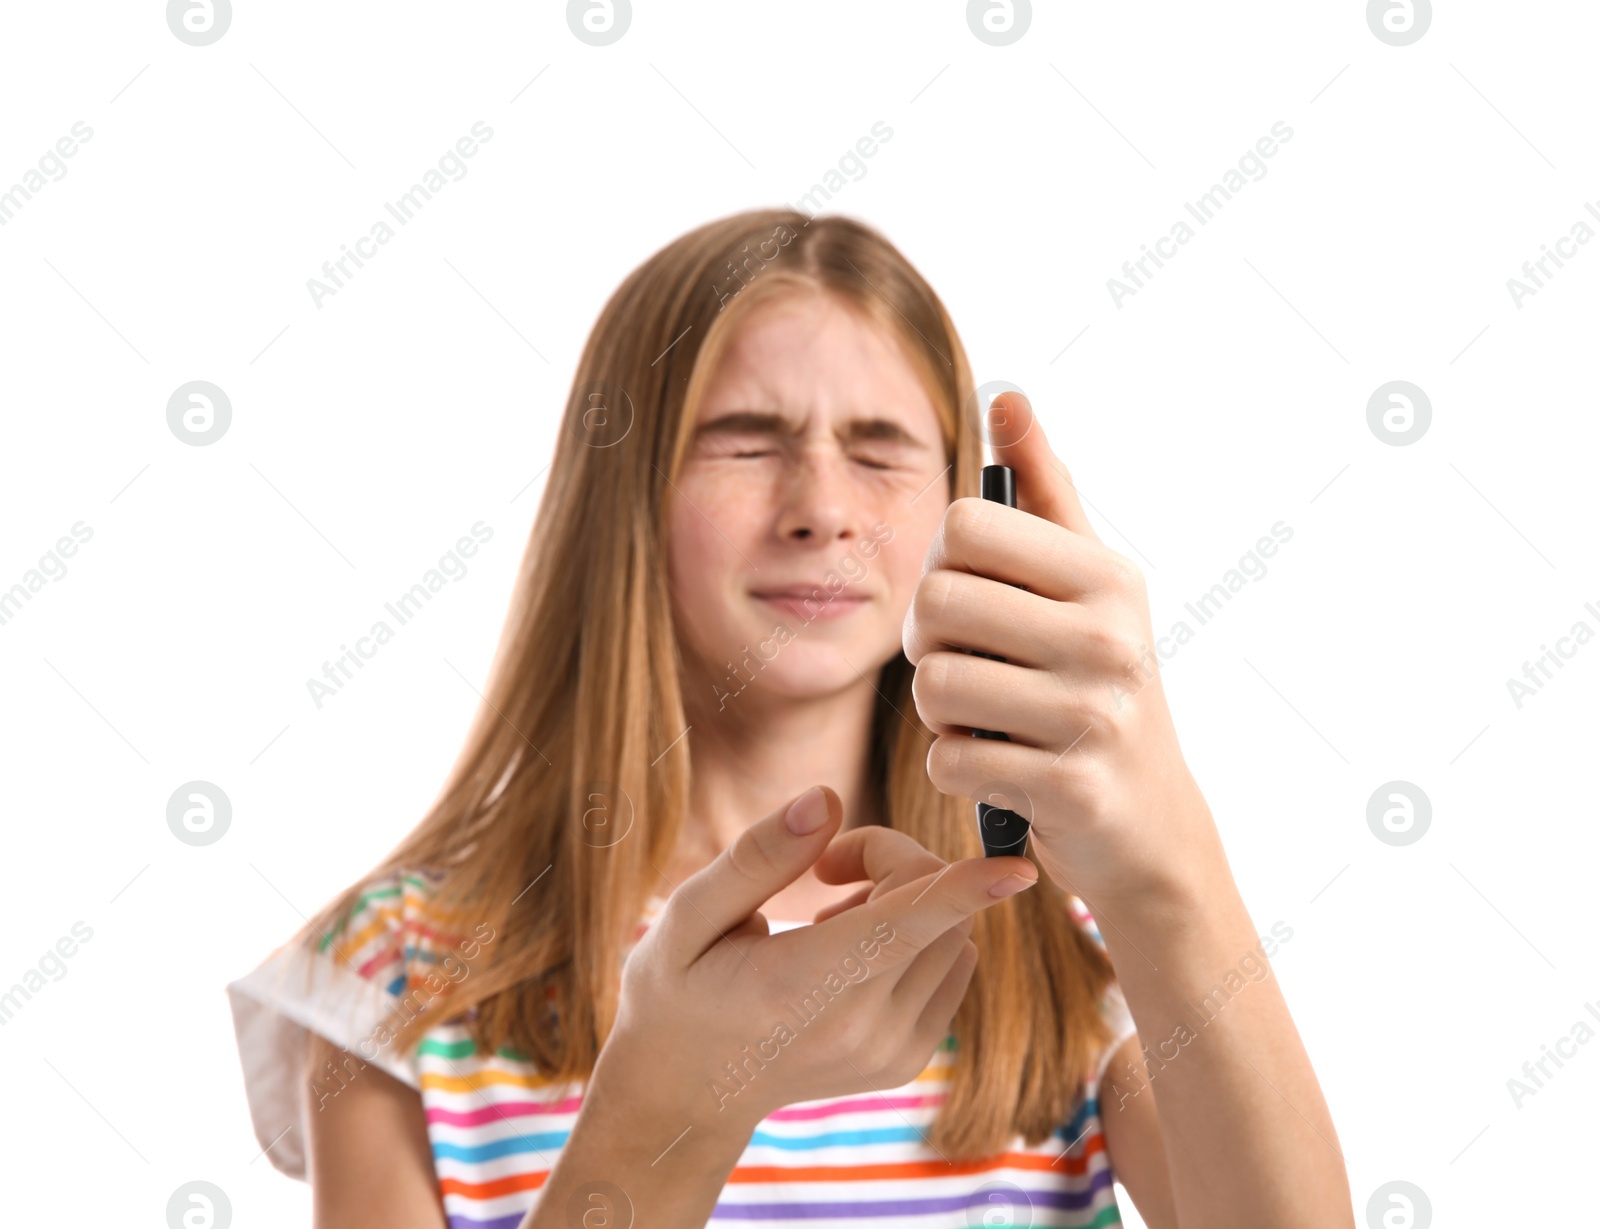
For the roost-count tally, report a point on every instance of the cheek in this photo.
(900, 560)
(700, 560)
(691, 557)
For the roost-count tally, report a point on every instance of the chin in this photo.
(801, 664)
(825, 680)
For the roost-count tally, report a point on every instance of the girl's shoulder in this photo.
(343, 985)
(392, 929)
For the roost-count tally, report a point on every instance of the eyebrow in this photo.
(763, 422)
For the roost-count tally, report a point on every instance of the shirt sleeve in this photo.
(1114, 1010)
(1113, 1006)
(343, 989)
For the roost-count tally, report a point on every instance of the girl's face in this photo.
(816, 469)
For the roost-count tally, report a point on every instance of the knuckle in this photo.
(1081, 777)
(1066, 773)
(929, 677)
(871, 839)
(1121, 645)
(1126, 574)
(1104, 642)
(749, 858)
(965, 519)
(1109, 717)
(1108, 709)
(932, 597)
(935, 671)
(639, 970)
(1101, 715)
(944, 764)
(853, 1032)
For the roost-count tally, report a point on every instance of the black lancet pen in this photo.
(1003, 832)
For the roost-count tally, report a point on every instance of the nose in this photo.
(816, 499)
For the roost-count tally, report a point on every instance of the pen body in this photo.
(1003, 831)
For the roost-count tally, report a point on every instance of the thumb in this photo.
(766, 857)
(1044, 487)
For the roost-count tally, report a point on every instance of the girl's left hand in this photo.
(1093, 756)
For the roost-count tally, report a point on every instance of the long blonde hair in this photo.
(584, 707)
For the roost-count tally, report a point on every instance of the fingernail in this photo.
(808, 812)
(1011, 885)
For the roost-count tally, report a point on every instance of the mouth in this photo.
(808, 602)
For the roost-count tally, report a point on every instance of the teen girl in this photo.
(699, 929)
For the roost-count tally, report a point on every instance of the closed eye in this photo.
(767, 452)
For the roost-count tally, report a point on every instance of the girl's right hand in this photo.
(720, 1023)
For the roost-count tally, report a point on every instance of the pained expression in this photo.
(817, 466)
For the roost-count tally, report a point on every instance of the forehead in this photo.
(811, 353)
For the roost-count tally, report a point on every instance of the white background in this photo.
(370, 433)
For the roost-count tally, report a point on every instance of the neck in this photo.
(760, 750)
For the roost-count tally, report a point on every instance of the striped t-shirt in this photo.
(496, 1125)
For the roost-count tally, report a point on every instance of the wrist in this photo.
(645, 1095)
(1184, 870)
(628, 1156)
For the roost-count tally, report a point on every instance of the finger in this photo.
(1011, 546)
(953, 609)
(765, 858)
(903, 873)
(1044, 487)
(924, 974)
(1006, 774)
(755, 926)
(860, 896)
(956, 693)
(874, 852)
(933, 1025)
(912, 916)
